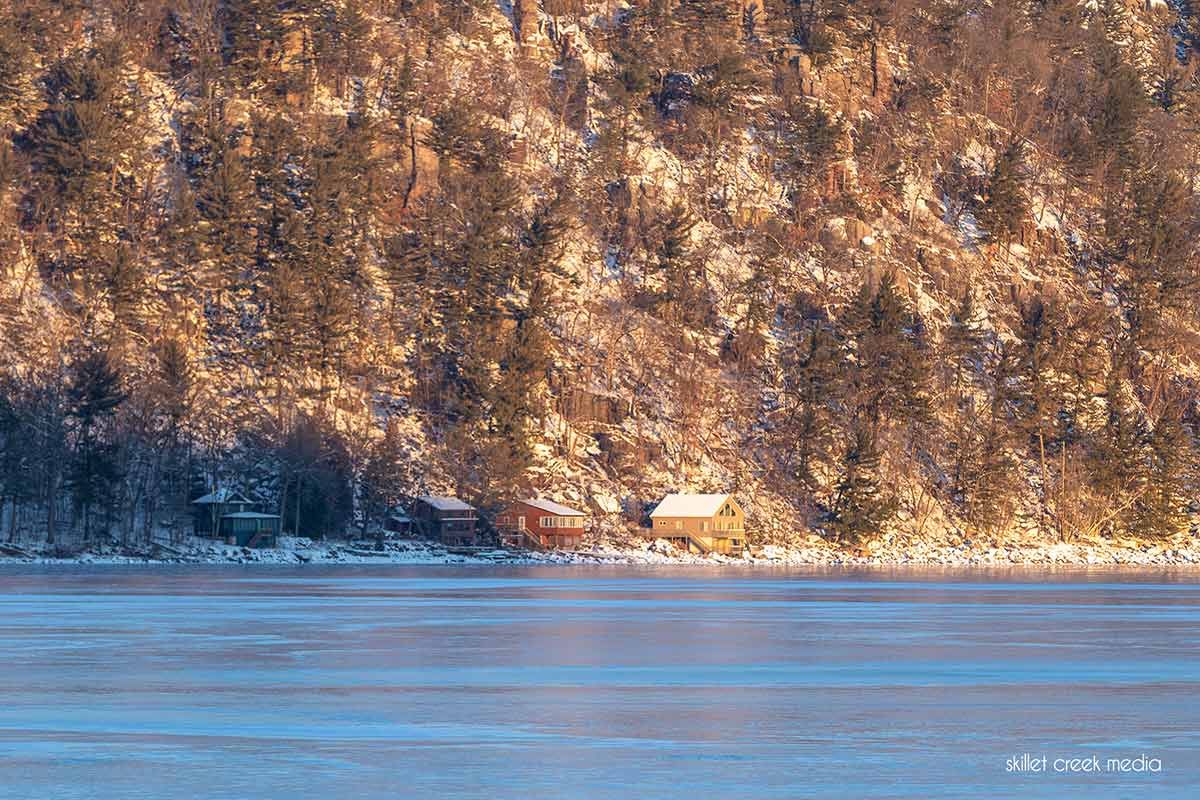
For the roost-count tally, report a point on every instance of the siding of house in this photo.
(452, 527)
(553, 531)
(720, 533)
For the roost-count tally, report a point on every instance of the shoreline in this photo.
(299, 552)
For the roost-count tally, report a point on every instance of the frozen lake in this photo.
(551, 682)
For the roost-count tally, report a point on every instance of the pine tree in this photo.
(1006, 205)
(85, 146)
(860, 506)
(224, 202)
(93, 396)
(681, 294)
(889, 375)
(1042, 348)
(1161, 510)
(805, 426)
(1115, 122)
(805, 138)
(962, 348)
(1118, 461)
(18, 484)
(254, 32)
(986, 447)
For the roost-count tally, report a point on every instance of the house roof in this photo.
(689, 505)
(220, 496)
(445, 503)
(557, 509)
(249, 515)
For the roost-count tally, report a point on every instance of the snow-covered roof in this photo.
(249, 515)
(557, 509)
(220, 496)
(689, 505)
(445, 503)
(399, 516)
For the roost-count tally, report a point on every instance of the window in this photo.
(704, 526)
(678, 524)
(521, 522)
(546, 522)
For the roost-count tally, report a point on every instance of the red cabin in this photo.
(541, 525)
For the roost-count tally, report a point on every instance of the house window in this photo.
(678, 524)
(521, 523)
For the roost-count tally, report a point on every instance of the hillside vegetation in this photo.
(920, 269)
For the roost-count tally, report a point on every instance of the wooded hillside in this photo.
(921, 268)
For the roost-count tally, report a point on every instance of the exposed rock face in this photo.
(861, 78)
(604, 408)
(529, 31)
(842, 232)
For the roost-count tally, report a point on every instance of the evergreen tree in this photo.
(1161, 510)
(805, 138)
(860, 506)
(681, 293)
(1006, 205)
(1118, 462)
(84, 148)
(93, 396)
(805, 429)
(889, 374)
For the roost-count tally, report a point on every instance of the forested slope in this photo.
(884, 269)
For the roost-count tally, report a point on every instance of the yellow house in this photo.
(701, 523)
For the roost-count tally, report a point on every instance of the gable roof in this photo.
(689, 505)
(551, 507)
(445, 503)
(220, 496)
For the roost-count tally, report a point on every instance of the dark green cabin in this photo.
(250, 529)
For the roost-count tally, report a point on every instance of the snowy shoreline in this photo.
(298, 552)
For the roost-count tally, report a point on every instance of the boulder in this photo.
(842, 232)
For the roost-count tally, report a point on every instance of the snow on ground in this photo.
(299, 551)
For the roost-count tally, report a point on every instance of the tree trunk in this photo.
(52, 508)
(296, 523)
